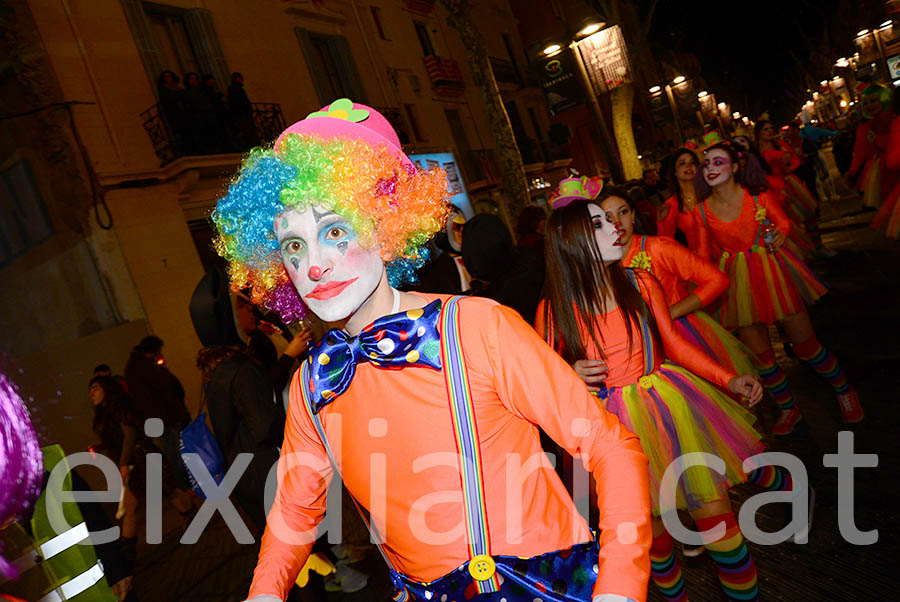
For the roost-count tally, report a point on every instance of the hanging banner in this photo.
(559, 80)
(685, 100)
(867, 48)
(606, 59)
(708, 108)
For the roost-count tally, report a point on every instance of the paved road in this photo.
(859, 320)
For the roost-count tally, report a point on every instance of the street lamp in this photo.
(552, 49)
(736, 115)
(678, 80)
(589, 29)
(862, 33)
(655, 89)
(703, 94)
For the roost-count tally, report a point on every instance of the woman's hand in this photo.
(592, 372)
(747, 387)
(297, 346)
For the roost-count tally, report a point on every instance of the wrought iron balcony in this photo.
(215, 135)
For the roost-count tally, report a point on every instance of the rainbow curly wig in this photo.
(329, 160)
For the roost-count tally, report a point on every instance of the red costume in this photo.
(685, 221)
(889, 215)
(873, 180)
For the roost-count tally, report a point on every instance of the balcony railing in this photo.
(445, 75)
(213, 135)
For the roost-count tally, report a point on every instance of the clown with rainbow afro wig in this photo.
(344, 159)
(313, 223)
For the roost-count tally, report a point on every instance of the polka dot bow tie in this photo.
(408, 338)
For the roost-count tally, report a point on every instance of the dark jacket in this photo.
(157, 393)
(513, 276)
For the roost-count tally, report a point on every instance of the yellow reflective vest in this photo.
(53, 566)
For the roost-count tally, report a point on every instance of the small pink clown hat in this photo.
(575, 189)
(344, 118)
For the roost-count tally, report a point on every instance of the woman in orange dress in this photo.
(598, 312)
(873, 180)
(689, 283)
(675, 218)
(768, 282)
(798, 202)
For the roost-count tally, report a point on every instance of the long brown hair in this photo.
(577, 276)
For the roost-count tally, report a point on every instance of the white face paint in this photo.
(322, 255)
(606, 234)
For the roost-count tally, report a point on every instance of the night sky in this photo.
(760, 55)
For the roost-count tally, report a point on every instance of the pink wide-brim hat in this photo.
(344, 118)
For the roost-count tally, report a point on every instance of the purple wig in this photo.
(21, 461)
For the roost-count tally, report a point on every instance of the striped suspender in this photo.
(646, 338)
(462, 410)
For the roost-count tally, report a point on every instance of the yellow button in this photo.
(645, 382)
(482, 567)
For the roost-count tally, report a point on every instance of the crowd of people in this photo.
(200, 119)
(630, 324)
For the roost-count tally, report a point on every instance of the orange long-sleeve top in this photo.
(739, 234)
(392, 434)
(626, 365)
(682, 220)
(675, 267)
(864, 148)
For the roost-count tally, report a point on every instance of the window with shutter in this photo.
(331, 67)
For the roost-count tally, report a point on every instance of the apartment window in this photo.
(331, 66)
(376, 17)
(425, 39)
(176, 39)
(418, 133)
(24, 222)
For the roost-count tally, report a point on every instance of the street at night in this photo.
(449, 300)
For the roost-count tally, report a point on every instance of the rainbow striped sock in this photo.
(823, 362)
(771, 478)
(665, 570)
(775, 380)
(737, 571)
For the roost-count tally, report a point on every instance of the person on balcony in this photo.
(241, 110)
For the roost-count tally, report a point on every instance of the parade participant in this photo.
(888, 217)
(688, 281)
(675, 218)
(873, 180)
(768, 282)
(787, 189)
(313, 220)
(597, 311)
